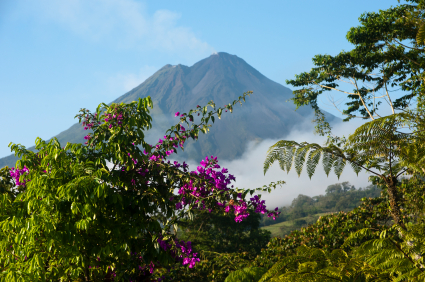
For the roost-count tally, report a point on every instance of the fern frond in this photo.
(327, 161)
(290, 152)
(420, 36)
(313, 160)
(356, 167)
(271, 158)
(300, 154)
(282, 266)
(379, 138)
(339, 166)
(288, 157)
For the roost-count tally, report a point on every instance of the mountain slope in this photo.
(223, 78)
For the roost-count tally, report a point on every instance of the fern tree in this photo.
(380, 61)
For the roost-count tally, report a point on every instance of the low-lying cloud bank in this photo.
(248, 169)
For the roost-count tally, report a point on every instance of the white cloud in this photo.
(124, 23)
(249, 169)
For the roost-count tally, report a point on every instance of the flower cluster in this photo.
(185, 248)
(114, 119)
(16, 174)
(91, 120)
(219, 179)
(258, 205)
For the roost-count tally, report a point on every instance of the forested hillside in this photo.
(338, 197)
(306, 210)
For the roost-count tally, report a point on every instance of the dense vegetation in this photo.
(338, 197)
(68, 216)
(218, 232)
(383, 238)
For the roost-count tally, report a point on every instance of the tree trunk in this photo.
(86, 274)
(393, 194)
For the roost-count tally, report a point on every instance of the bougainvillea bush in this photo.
(108, 210)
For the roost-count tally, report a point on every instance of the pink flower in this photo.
(177, 114)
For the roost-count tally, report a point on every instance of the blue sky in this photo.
(60, 56)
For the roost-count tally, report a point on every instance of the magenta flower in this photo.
(177, 114)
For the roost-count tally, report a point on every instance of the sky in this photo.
(60, 56)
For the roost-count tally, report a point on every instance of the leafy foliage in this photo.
(218, 232)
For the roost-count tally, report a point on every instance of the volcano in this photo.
(222, 77)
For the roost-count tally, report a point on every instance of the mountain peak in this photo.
(224, 56)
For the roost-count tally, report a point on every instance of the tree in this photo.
(378, 62)
(334, 188)
(79, 217)
(302, 206)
